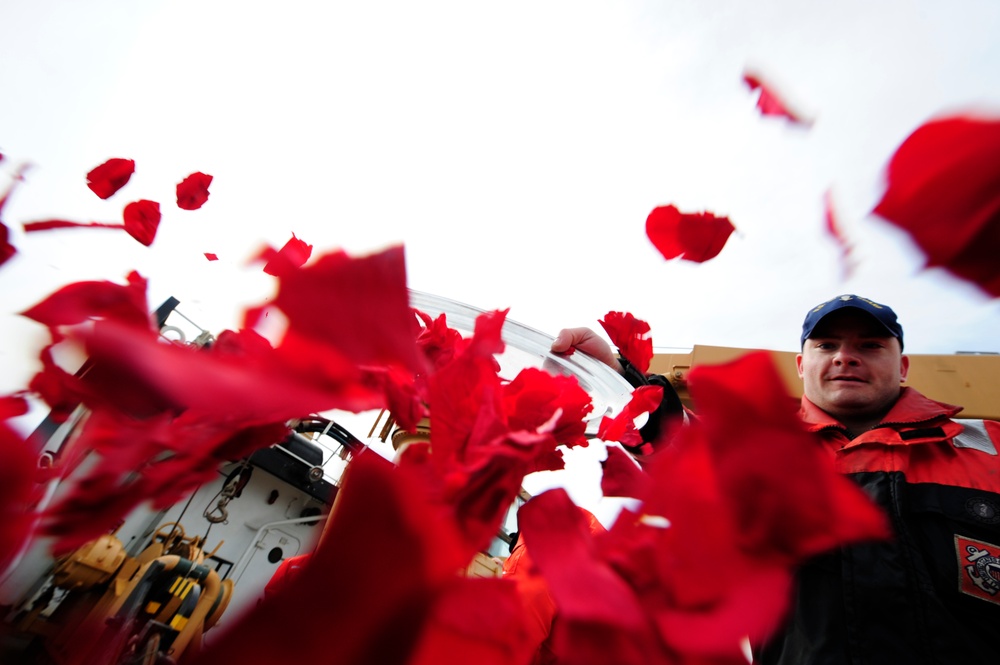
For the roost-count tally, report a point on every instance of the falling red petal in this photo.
(142, 218)
(813, 508)
(631, 336)
(17, 493)
(622, 476)
(211, 257)
(7, 250)
(109, 177)
(81, 301)
(50, 224)
(358, 305)
(192, 192)
(835, 230)
(943, 188)
(770, 103)
(291, 256)
(695, 237)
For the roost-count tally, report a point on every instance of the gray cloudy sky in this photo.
(514, 148)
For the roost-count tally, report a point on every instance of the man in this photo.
(931, 594)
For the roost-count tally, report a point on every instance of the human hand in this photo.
(587, 341)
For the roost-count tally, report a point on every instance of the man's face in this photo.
(851, 367)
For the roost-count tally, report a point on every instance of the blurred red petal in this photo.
(534, 397)
(50, 224)
(694, 237)
(770, 103)
(109, 177)
(591, 597)
(943, 188)
(621, 428)
(7, 250)
(622, 476)
(192, 192)
(291, 256)
(631, 336)
(142, 218)
(359, 306)
(757, 441)
(835, 230)
(12, 406)
(211, 257)
(82, 301)
(475, 620)
(17, 493)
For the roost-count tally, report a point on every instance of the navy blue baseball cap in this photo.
(881, 313)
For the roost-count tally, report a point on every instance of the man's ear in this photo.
(904, 368)
(798, 363)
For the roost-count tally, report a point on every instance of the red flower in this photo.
(192, 192)
(769, 103)
(694, 237)
(291, 256)
(943, 188)
(109, 177)
(631, 336)
(142, 219)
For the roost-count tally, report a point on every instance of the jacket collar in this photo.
(911, 408)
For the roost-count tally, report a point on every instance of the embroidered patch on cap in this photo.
(979, 568)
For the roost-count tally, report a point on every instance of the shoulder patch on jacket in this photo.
(975, 436)
(979, 568)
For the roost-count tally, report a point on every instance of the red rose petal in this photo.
(631, 336)
(694, 237)
(944, 190)
(109, 177)
(50, 224)
(192, 192)
(770, 103)
(622, 476)
(292, 255)
(211, 257)
(142, 218)
(835, 230)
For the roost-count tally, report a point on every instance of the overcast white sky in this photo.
(514, 148)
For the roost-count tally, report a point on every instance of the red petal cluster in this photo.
(943, 188)
(189, 409)
(142, 218)
(109, 177)
(355, 593)
(655, 596)
(694, 237)
(770, 103)
(631, 336)
(192, 192)
(622, 428)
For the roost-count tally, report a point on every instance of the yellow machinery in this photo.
(121, 609)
